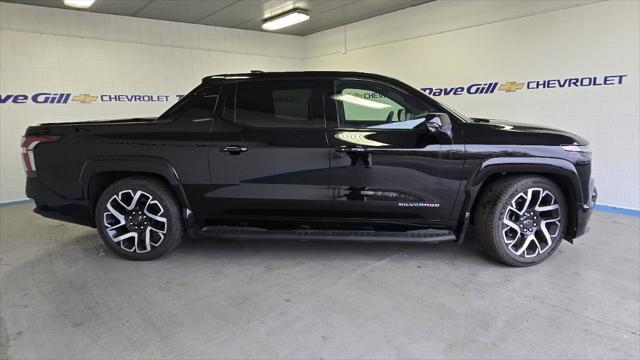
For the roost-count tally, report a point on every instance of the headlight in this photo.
(577, 148)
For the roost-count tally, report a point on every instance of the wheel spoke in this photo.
(524, 247)
(150, 234)
(552, 204)
(140, 242)
(140, 200)
(153, 208)
(159, 225)
(510, 209)
(524, 207)
(513, 226)
(111, 220)
(537, 249)
(547, 208)
(545, 231)
(126, 197)
(117, 208)
(117, 230)
(126, 236)
(529, 199)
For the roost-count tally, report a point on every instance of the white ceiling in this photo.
(244, 14)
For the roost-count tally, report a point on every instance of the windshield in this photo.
(454, 111)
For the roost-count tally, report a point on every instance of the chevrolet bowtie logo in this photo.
(84, 98)
(511, 86)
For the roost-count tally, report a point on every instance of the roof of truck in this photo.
(296, 74)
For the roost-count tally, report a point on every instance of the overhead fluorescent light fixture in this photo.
(82, 4)
(285, 19)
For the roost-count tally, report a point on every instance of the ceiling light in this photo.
(82, 4)
(285, 19)
(360, 101)
(358, 138)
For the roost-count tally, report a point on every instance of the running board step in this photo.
(242, 233)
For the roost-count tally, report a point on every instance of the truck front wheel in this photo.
(521, 220)
(139, 218)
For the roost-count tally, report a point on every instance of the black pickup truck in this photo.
(313, 156)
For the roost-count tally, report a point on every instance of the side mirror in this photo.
(434, 124)
(438, 124)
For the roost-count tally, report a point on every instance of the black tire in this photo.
(145, 214)
(502, 241)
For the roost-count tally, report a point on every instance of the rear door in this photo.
(269, 159)
(387, 168)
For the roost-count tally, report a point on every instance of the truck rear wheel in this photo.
(139, 219)
(521, 220)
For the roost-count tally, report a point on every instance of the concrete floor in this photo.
(64, 295)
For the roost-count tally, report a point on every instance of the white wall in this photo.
(424, 48)
(439, 44)
(55, 50)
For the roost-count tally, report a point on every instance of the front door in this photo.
(387, 169)
(269, 159)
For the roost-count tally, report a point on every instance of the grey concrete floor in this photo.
(64, 295)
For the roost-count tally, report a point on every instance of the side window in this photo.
(196, 106)
(361, 104)
(200, 107)
(279, 104)
(225, 110)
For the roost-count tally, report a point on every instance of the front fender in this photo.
(560, 169)
(507, 165)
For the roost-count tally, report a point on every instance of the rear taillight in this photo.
(29, 143)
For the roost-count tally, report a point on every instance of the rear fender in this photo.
(133, 164)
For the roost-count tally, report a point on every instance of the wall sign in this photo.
(513, 86)
(56, 98)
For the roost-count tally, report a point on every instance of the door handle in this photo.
(234, 149)
(350, 149)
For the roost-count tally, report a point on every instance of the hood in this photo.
(509, 132)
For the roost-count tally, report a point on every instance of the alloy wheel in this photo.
(531, 222)
(134, 220)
